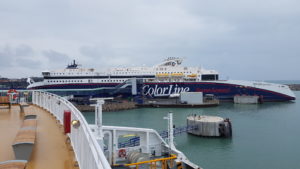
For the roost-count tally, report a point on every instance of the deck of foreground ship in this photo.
(50, 150)
(43, 134)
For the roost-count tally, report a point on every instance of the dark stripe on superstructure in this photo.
(97, 77)
(76, 77)
(75, 84)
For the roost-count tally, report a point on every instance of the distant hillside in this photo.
(6, 83)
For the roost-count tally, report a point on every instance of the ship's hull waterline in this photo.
(223, 90)
(162, 80)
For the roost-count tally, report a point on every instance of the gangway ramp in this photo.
(120, 86)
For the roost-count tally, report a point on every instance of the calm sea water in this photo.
(265, 136)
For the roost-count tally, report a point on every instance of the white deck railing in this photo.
(87, 150)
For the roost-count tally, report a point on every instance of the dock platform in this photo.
(175, 103)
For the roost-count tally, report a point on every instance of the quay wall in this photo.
(108, 106)
(295, 87)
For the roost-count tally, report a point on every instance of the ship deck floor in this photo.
(50, 150)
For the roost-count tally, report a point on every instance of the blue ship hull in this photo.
(222, 91)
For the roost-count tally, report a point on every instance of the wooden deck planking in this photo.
(10, 122)
(29, 123)
(13, 165)
(25, 136)
(50, 149)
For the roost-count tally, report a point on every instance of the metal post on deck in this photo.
(45, 101)
(36, 97)
(40, 99)
(10, 99)
(98, 117)
(32, 97)
(170, 130)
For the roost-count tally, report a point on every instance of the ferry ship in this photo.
(162, 80)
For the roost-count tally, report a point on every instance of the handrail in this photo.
(155, 160)
(162, 160)
(87, 150)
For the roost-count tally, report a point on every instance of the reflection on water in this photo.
(264, 136)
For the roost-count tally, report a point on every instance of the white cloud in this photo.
(214, 34)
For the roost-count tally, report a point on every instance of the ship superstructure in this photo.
(161, 80)
(169, 70)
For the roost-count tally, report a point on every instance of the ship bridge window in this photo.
(46, 73)
(210, 77)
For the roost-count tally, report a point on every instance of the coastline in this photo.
(294, 87)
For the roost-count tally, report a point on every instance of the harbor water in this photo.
(265, 136)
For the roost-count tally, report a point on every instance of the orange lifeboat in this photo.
(192, 75)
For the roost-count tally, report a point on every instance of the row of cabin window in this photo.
(174, 72)
(70, 73)
(115, 73)
(161, 69)
(132, 73)
(63, 81)
(93, 73)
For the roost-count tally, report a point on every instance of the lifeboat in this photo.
(162, 75)
(177, 74)
(192, 75)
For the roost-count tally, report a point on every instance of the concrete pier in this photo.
(209, 126)
(295, 87)
(109, 106)
(175, 102)
(245, 99)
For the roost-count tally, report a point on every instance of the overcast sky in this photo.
(242, 39)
